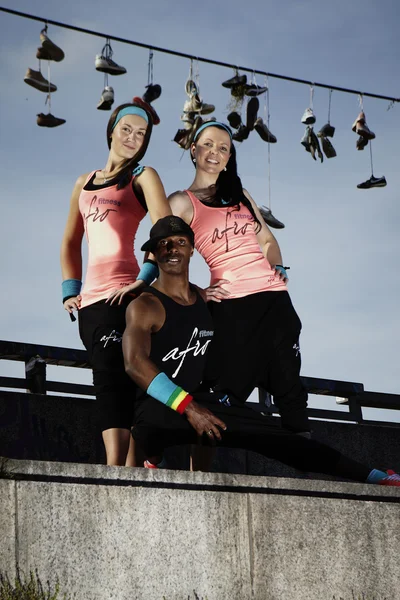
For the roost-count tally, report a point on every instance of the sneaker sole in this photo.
(110, 71)
(39, 86)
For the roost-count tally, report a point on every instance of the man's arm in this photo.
(145, 316)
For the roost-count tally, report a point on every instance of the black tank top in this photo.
(179, 348)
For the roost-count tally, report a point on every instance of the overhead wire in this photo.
(192, 57)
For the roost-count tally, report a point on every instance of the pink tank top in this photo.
(111, 218)
(226, 239)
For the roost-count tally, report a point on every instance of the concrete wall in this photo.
(64, 429)
(133, 534)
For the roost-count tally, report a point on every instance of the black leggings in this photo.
(158, 427)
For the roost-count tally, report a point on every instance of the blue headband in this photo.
(131, 110)
(212, 124)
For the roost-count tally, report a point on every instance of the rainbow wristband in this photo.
(70, 288)
(163, 389)
(149, 272)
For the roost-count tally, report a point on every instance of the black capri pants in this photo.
(256, 343)
(101, 326)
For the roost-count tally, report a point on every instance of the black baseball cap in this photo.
(166, 227)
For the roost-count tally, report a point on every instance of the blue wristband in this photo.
(148, 273)
(70, 288)
(282, 270)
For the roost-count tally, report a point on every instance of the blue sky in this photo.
(341, 243)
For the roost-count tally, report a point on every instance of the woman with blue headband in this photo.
(107, 206)
(256, 338)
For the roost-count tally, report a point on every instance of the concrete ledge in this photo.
(120, 533)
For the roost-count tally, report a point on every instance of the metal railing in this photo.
(37, 357)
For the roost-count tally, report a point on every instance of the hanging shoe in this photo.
(49, 120)
(314, 146)
(107, 99)
(188, 118)
(264, 132)
(308, 117)
(52, 50)
(251, 113)
(327, 130)
(206, 109)
(305, 140)
(236, 80)
(194, 104)
(191, 88)
(181, 137)
(36, 80)
(360, 119)
(192, 132)
(42, 54)
(363, 130)
(372, 182)
(269, 218)
(234, 120)
(361, 143)
(327, 147)
(241, 134)
(153, 91)
(107, 65)
(154, 116)
(254, 90)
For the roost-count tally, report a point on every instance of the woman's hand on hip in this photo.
(133, 289)
(216, 292)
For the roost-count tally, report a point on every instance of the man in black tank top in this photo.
(168, 331)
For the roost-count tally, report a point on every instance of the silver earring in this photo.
(225, 168)
(194, 160)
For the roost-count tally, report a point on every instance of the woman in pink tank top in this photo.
(107, 206)
(256, 339)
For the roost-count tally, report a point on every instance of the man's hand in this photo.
(203, 421)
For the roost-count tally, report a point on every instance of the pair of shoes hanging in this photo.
(310, 140)
(365, 135)
(324, 133)
(311, 144)
(51, 52)
(105, 64)
(238, 85)
(253, 122)
(361, 128)
(192, 115)
(194, 106)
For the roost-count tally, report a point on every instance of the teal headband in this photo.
(131, 110)
(212, 124)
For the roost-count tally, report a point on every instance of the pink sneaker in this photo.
(391, 479)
